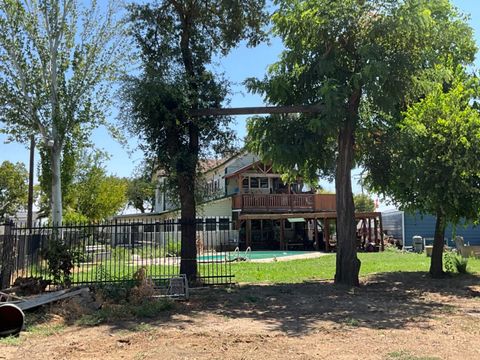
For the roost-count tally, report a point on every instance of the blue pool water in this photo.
(251, 255)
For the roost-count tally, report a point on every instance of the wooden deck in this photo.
(271, 203)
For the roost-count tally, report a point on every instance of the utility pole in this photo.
(30, 183)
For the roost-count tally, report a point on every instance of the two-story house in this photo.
(249, 201)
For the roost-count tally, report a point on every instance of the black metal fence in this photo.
(114, 251)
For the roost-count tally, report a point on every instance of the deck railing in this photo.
(284, 202)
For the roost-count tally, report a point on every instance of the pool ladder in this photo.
(248, 253)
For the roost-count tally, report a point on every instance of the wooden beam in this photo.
(305, 215)
(293, 109)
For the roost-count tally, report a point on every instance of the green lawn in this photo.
(324, 267)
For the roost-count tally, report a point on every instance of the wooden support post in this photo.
(326, 234)
(382, 245)
(375, 229)
(315, 233)
(282, 234)
(248, 240)
(289, 109)
(364, 232)
(261, 231)
(369, 230)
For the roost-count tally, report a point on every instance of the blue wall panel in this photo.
(424, 226)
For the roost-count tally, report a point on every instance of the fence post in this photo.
(8, 256)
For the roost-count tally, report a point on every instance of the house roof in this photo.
(210, 164)
(206, 165)
(242, 169)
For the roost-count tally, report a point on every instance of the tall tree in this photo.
(363, 203)
(56, 57)
(357, 59)
(98, 195)
(13, 188)
(141, 188)
(178, 39)
(431, 163)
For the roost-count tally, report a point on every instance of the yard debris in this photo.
(30, 285)
(7, 297)
(47, 298)
(474, 291)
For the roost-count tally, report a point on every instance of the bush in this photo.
(60, 260)
(460, 264)
(174, 248)
(455, 263)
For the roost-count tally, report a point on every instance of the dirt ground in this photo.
(404, 316)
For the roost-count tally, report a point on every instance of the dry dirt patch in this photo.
(404, 316)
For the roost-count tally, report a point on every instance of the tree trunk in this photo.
(56, 185)
(188, 263)
(348, 265)
(436, 263)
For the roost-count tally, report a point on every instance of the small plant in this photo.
(460, 264)
(455, 263)
(352, 322)
(60, 260)
(448, 257)
(174, 248)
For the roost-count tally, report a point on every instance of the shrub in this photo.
(460, 264)
(174, 248)
(60, 260)
(448, 261)
(455, 263)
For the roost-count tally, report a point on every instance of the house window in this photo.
(254, 183)
(245, 183)
(264, 183)
(210, 224)
(199, 224)
(209, 187)
(223, 224)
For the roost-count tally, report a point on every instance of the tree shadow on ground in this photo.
(384, 301)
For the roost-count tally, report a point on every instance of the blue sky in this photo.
(240, 64)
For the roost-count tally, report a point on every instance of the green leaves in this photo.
(391, 52)
(177, 41)
(13, 188)
(57, 62)
(363, 203)
(435, 155)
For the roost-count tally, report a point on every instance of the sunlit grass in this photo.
(324, 267)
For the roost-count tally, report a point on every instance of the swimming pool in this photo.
(251, 255)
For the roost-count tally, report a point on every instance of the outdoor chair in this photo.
(466, 250)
